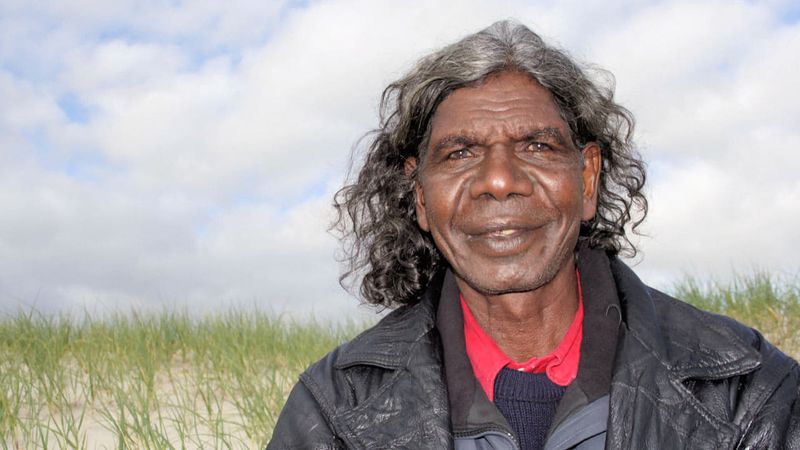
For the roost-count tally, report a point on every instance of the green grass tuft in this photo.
(760, 300)
(157, 381)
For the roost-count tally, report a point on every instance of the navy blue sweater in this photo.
(528, 401)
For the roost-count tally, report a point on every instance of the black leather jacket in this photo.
(682, 378)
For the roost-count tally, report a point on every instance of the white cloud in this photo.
(715, 113)
(215, 137)
(24, 107)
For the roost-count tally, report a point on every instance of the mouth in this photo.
(504, 238)
(500, 229)
(505, 232)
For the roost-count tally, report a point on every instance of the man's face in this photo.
(502, 188)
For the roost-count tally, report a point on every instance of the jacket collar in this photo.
(387, 343)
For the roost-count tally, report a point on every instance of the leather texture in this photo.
(683, 378)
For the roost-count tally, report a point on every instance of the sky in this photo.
(183, 155)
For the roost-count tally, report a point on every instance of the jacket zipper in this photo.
(479, 432)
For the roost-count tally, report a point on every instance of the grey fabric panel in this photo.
(485, 441)
(596, 442)
(587, 426)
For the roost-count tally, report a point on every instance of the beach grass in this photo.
(761, 300)
(170, 381)
(154, 381)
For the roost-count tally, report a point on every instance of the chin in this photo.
(520, 276)
(498, 285)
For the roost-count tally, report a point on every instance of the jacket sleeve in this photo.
(793, 434)
(776, 424)
(302, 424)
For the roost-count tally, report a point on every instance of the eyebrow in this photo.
(550, 132)
(454, 140)
(468, 141)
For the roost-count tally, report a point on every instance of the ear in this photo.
(592, 165)
(419, 196)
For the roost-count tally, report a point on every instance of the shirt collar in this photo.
(561, 365)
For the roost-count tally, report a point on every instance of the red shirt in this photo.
(561, 365)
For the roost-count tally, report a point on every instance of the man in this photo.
(491, 207)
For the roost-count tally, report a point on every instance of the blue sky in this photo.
(184, 154)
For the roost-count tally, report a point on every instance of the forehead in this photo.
(508, 103)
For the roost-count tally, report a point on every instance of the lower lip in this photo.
(502, 244)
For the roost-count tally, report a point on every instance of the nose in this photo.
(501, 175)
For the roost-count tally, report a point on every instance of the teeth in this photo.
(505, 232)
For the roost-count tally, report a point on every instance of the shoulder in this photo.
(705, 368)
(685, 322)
(686, 338)
(372, 382)
(385, 344)
(403, 339)
(693, 328)
(384, 386)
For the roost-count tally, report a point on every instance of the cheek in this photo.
(434, 213)
(437, 210)
(566, 195)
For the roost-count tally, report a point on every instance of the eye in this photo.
(459, 154)
(537, 147)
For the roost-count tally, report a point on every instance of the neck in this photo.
(527, 324)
